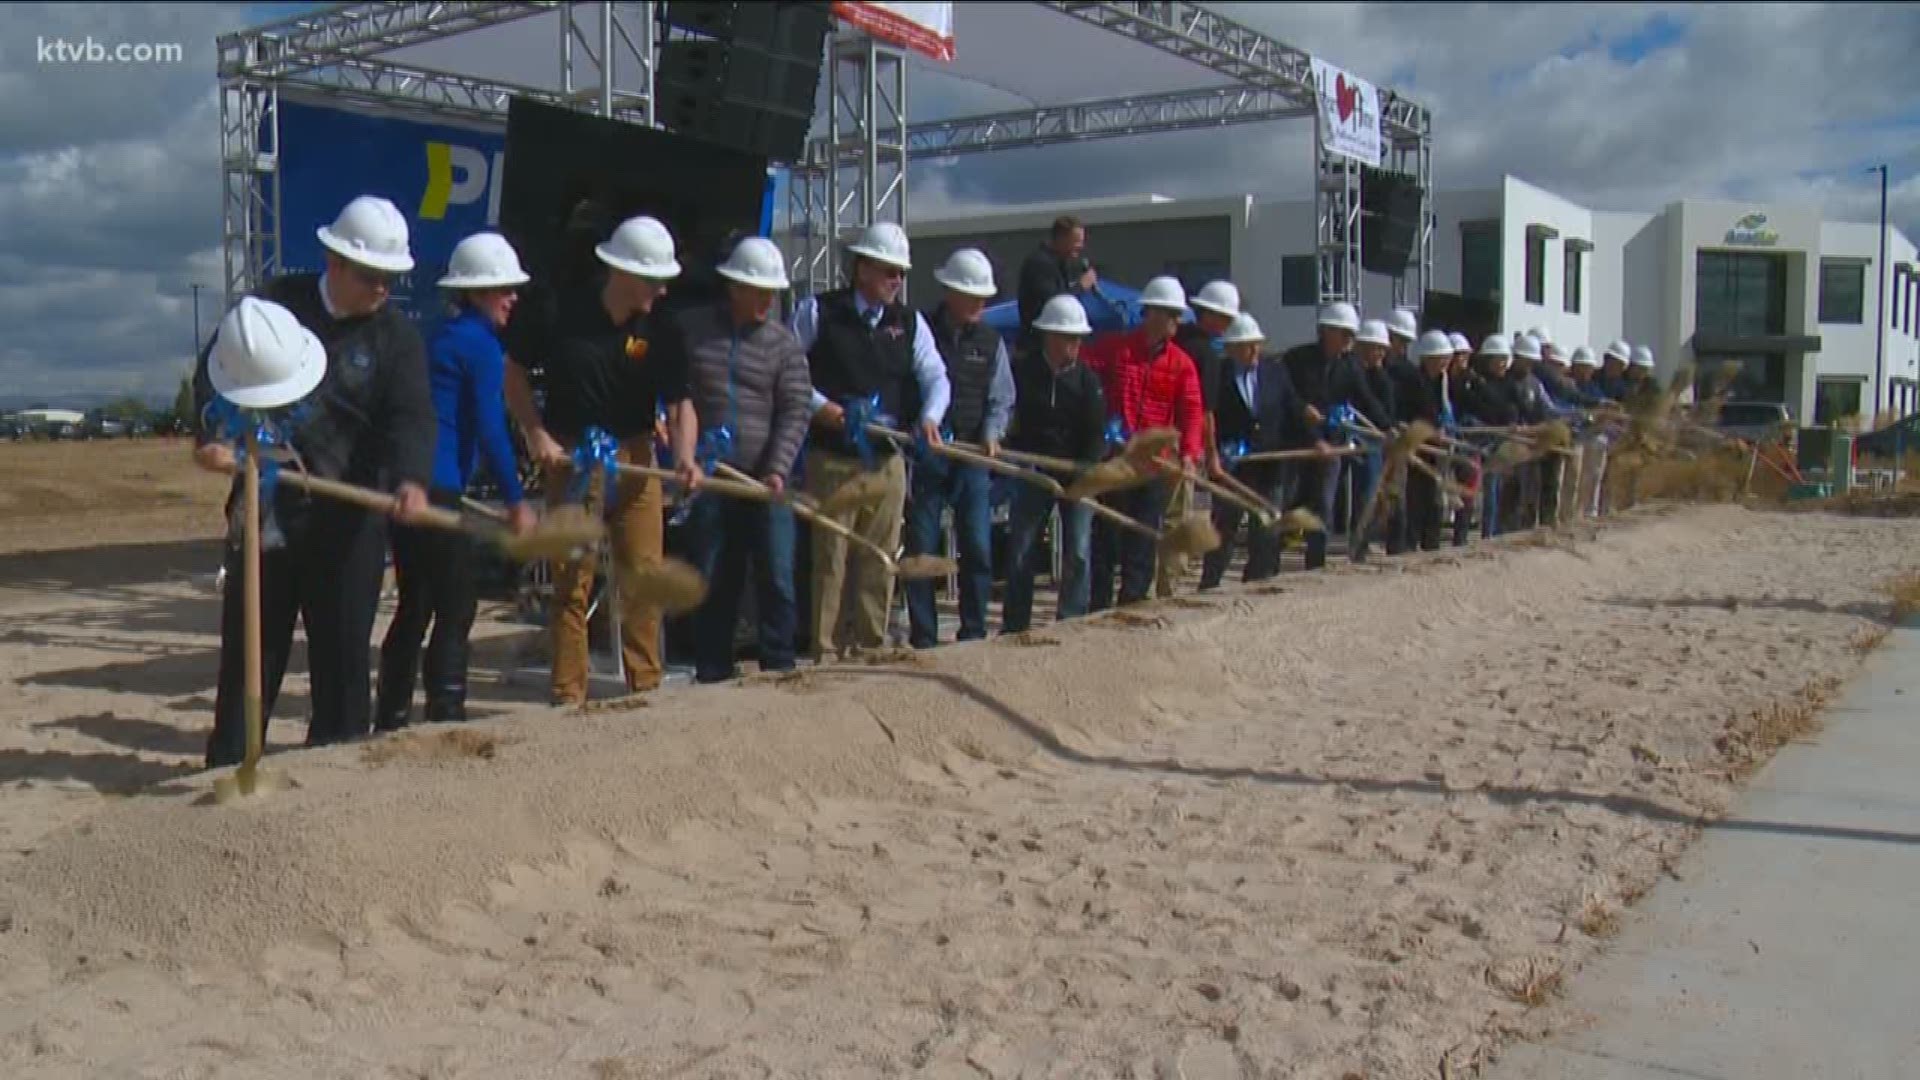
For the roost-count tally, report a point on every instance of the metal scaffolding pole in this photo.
(250, 186)
(865, 173)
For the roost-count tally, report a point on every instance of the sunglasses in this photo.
(368, 276)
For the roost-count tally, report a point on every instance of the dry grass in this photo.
(1750, 742)
(1597, 919)
(428, 747)
(1032, 640)
(1532, 986)
(1905, 591)
(1712, 476)
(1868, 639)
(1133, 620)
(1863, 504)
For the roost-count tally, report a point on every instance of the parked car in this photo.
(1755, 421)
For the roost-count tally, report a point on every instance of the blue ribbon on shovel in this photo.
(1117, 433)
(859, 413)
(598, 451)
(1231, 452)
(229, 423)
(714, 446)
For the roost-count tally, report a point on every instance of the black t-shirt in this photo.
(596, 373)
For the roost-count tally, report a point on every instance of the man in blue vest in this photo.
(873, 360)
(981, 407)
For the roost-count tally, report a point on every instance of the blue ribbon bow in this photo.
(1340, 419)
(715, 445)
(227, 422)
(859, 413)
(1117, 434)
(598, 451)
(1231, 452)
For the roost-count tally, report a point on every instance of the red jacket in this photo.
(1151, 387)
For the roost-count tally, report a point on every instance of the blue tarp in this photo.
(1110, 307)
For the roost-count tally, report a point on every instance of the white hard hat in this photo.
(372, 232)
(1220, 297)
(1583, 357)
(1340, 315)
(1526, 347)
(1620, 351)
(1242, 330)
(1553, 354)
(263, 358)
(1403, 323)
(1495, 345)
(1460, 342)
(755, 261)
(642, 247)
(1164, 292)
(483, 261)
(1642, 356)
(1373, 332)
(883, 241)
(1064, 314)
(1541, 335)
(1434, 343)
(968, 271)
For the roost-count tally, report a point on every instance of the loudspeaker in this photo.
(1390, 221)
(572, 177)
(752, 82)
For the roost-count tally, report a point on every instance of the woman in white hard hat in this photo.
(748, 376)
(873, 360)
(371, 423)
(612, 361)
(1060, 411)
(436, 570)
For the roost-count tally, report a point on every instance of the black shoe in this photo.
(446, 710)
(392, 718)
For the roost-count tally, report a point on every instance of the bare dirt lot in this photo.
(1350, 824)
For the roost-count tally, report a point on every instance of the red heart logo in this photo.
(1348, 95)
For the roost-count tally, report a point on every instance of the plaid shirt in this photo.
(1151, 386)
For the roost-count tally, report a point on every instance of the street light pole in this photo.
(1880, 305)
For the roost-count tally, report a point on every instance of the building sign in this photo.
(1753, 230)
(1349, 114)
(925, 28)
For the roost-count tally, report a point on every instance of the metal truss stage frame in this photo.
(855, 172)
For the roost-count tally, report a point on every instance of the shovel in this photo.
(557, 536)
(732, 481)
(248, 779)
(1042, 461)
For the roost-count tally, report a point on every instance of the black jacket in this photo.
(1206, 360)
(1492, 402)
(1277, 415)
(1060, 414)
(1044, 276)
(370, 421)
(1380, 381)
(1324, 384)
(1421, 397)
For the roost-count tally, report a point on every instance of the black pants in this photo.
(328, 575)
(1133, 553)
(436, 572)
(1423, 512)
(1263, 545)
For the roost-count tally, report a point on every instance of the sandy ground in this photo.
(1341, 826)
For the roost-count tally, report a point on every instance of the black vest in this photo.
(969, 352)
(849, 360)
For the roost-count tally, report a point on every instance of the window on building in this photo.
(1193, 273)
(1480, 260)
(1536, 269)
(1837, 399)
(1740, 294)
(1574, 280)
(1843, 290)
(1297, 285)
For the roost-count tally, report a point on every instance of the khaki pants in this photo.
(869, 594)
(637, 532)
(1177, 507)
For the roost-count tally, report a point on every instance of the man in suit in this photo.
(1256, 409)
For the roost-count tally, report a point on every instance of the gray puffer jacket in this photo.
(756, 380)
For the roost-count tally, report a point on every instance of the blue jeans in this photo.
(1026, 517)
(1133, 554)
(724, 536)
(938, 484)
(1366, 471)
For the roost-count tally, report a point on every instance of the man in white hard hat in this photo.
(1326, 375)
(1612, 380)
(1149, 382)
(1057, 267)
(1581, 368)
(873, 360)
(1059, 411)
(1256, 410)
(1639, 376)
(611, 362)
(1214, 307)
(747, 374)
(1425, 400)
(436, 570)
(980, 406)
(369, 422)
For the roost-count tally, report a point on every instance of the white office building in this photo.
(1790, 297)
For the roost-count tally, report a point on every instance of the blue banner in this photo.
(446, 178)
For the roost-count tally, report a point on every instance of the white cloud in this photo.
(109, 181)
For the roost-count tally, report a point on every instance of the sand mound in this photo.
(1333, 829)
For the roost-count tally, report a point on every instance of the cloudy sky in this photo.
(109, 177)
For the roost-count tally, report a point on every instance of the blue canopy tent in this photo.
(1111, 307)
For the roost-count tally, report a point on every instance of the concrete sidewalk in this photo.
(1791, 948)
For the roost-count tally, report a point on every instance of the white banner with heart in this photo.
(1349, 113)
